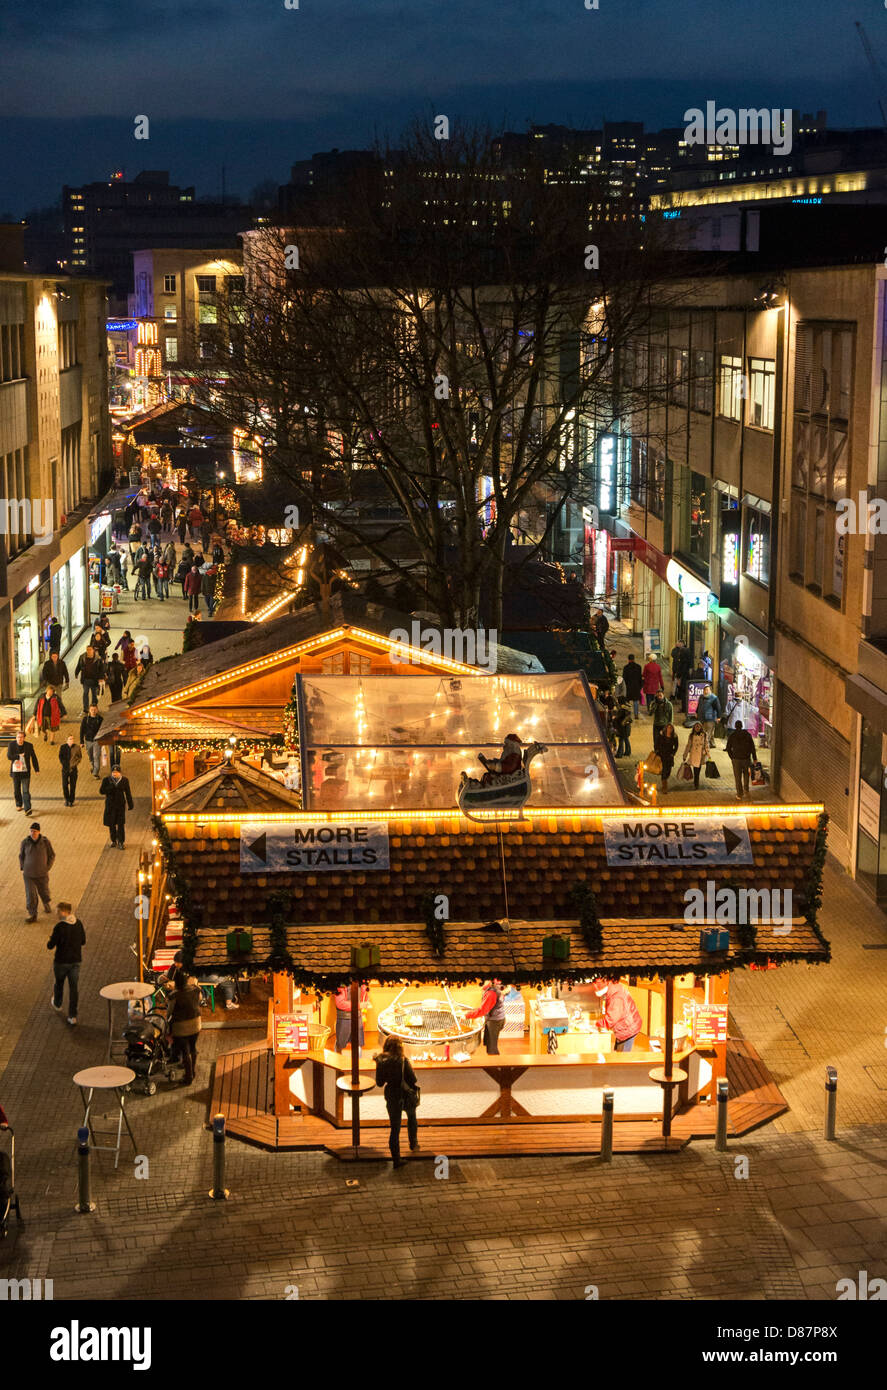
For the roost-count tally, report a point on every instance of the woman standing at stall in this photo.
(342, 1000)
(395, 1073)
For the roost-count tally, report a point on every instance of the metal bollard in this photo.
(831, 1101)
(721, 1123)
(218, 1191)
(84, 1205)
(607, 1127)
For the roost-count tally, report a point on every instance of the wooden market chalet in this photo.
(388, 878)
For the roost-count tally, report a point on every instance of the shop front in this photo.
(746, 688)
(69, 598)
(31, 617)
(100, 544)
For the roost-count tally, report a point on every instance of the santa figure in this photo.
(510, 760)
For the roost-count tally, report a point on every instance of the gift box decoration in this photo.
(556, 947)
(239, 943)
(365, 955)
(714, 939)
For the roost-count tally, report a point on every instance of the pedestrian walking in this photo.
(55, 672)
(600, 625)
(70, 757)
(741, 752)
(55, 635)
(135, 538)
(492, 1010)
(697, 751)
(115, 571)
(115, 675)
(161, 579)
(708, 712)
(665, 742)
(144, 570)
(100, 640)
(218, 554)
(36, 857)
(181, 523)
(127, 648)
(651, 679)
(91, 670)
(125, 568)
(89, 729)
(634, 683)
(22, 759)
(48, 711)
(191, 589)
(195, 521)
(166, 517)
(133, 680)
(119, 524)
(116, 791)
(155, 525)
(208, 588)
(67, 940)
(169, 557)
(662, 711)
(395, 1073)
(184, 1022)
(622, 725)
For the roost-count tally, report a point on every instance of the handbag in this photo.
(687, 772)
(653, 763)
(411, 1095)
(720, 731)
(711, 768)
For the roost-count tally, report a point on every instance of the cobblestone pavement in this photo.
(684, 1226)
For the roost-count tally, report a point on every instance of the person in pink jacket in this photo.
(651, 680)
(619, 1013)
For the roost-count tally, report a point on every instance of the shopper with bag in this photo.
(695, 754)
(666, 745)
(708, 711)
(741, 752)
(622, 727)
(395, 1073)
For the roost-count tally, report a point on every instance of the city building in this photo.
(54, 461)
(106, 222)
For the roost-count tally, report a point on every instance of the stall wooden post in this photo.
(669, 1054)
(282, 1002)
(355, 1064)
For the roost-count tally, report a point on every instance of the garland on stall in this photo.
(434, 927)
(219, 591)
(243, 747)
(813, 901)
(291, 722)
(589, 921)
(181, 891)
(280, 907)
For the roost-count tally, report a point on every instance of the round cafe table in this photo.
(121, 993)
(114, 1079)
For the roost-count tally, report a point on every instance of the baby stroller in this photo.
(149, 1052)
(8, 1198)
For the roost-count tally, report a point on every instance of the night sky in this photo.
(253, 86)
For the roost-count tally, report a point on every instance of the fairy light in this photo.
(778, 811)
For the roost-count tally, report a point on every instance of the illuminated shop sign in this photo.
(691, 589)
(120, 325)
(607, 473)
(728, 596)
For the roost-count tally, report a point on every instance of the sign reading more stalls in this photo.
(305, 847)
(662, 843)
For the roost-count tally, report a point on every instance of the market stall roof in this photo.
(322, 955)
(547, 855)
(184, 696)
(233, 787)
(165, 424)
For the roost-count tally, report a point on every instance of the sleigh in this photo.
(505, 792)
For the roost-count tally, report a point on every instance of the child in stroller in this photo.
(149, 1051)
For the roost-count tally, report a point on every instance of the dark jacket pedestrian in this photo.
(665, 742)
(741, 752)
(115, 675)
(184, 1021)
(67, 940)
(101, 641)
(622, 725)
(128, 649)
(55, 635)
(22, 760)
(634, 678)
(91, 670)
(36, 857)
(70, 757)
(600, 625)
(55, 672)
(708, 711)
(662, 711)
(116, 791)
(394, 1072)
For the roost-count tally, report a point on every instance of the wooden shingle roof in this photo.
(233, 787)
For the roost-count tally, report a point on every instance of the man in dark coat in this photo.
(36, 857)
(633, 677)
(116, 791)
(741, 752)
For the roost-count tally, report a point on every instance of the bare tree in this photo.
(443, 341)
